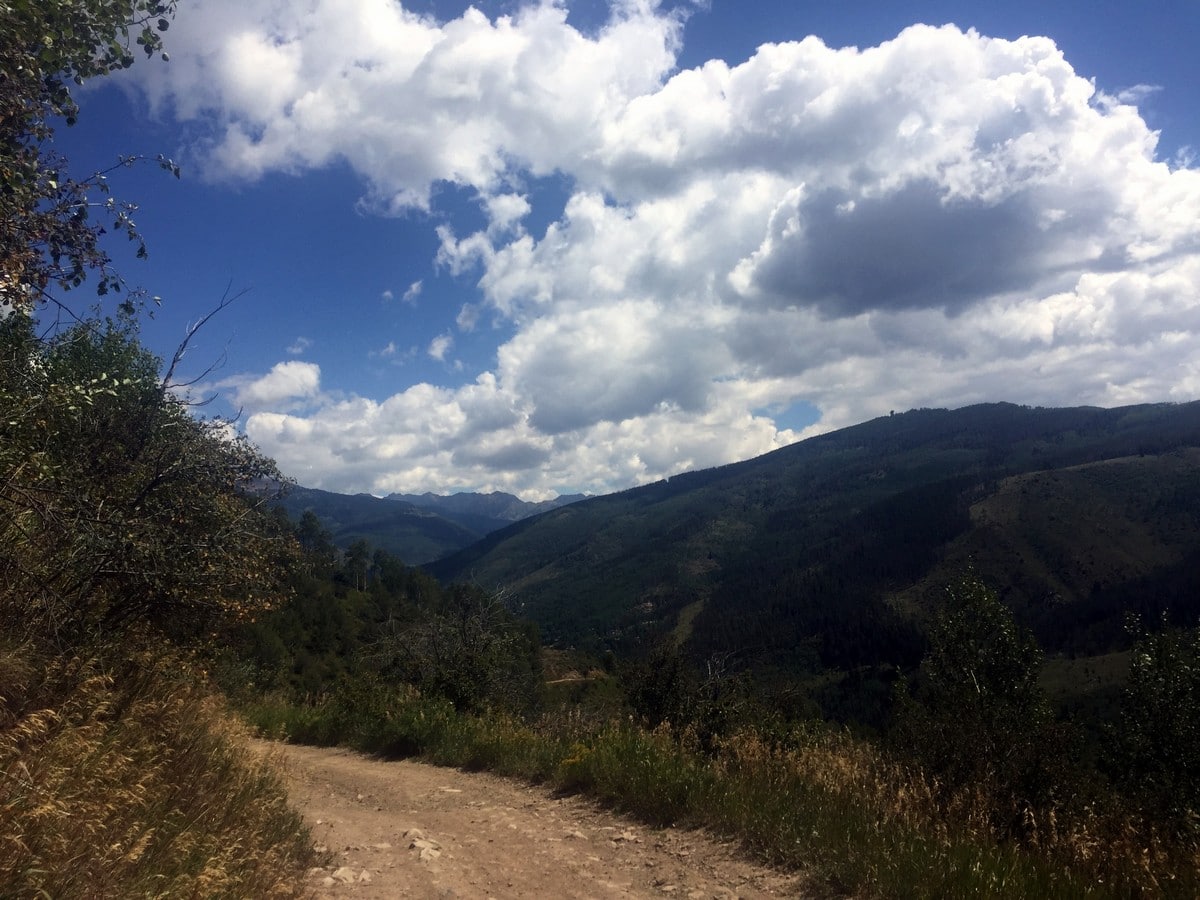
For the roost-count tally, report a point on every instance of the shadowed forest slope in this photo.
(824, 554)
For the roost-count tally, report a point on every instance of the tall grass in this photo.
(128, 778)
(817, 799)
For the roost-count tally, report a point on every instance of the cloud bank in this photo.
(943, 219)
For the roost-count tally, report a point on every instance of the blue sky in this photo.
(559, 247)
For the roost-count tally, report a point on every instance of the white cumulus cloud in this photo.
(942, 219)
(286, 383)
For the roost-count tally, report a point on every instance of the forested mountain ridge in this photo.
(417, 528)
(846, 579)
(824, 554)
(496, 506)
(409, 532)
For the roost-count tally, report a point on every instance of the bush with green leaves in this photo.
(665, 687)
(978, 719)
(118, 507)
(469, 649)
(1155, 747)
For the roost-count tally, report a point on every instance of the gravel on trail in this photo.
(408, 829)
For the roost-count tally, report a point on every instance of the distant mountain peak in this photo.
(495, 505)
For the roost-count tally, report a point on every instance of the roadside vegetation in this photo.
(129, 545)
(131, 539)
(977, 787)
(123, 776)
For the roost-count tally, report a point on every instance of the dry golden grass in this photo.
(132, 780)
(1087, 846)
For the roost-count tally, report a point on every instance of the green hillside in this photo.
(416, 528)
(908, 640)
(414, 534)
(824, 555)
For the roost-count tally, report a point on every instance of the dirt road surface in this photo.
(407, 829)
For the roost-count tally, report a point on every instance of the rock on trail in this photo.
(407, 829)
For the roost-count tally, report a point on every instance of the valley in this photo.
(820, 564)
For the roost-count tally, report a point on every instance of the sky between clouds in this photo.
(548, 248)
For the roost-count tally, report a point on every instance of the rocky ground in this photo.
(406, 829)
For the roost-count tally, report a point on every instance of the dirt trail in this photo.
(406, 829)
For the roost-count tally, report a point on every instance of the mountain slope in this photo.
(411, 533)
(416, 528)
(828, 553)
(497, 507)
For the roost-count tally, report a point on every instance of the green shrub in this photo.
(1155, 747)
(979, 719)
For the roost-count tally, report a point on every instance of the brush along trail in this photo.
(408, 829)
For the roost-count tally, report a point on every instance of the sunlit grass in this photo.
(130, 779)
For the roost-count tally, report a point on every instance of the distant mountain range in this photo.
(417, 528)
(495, 507)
